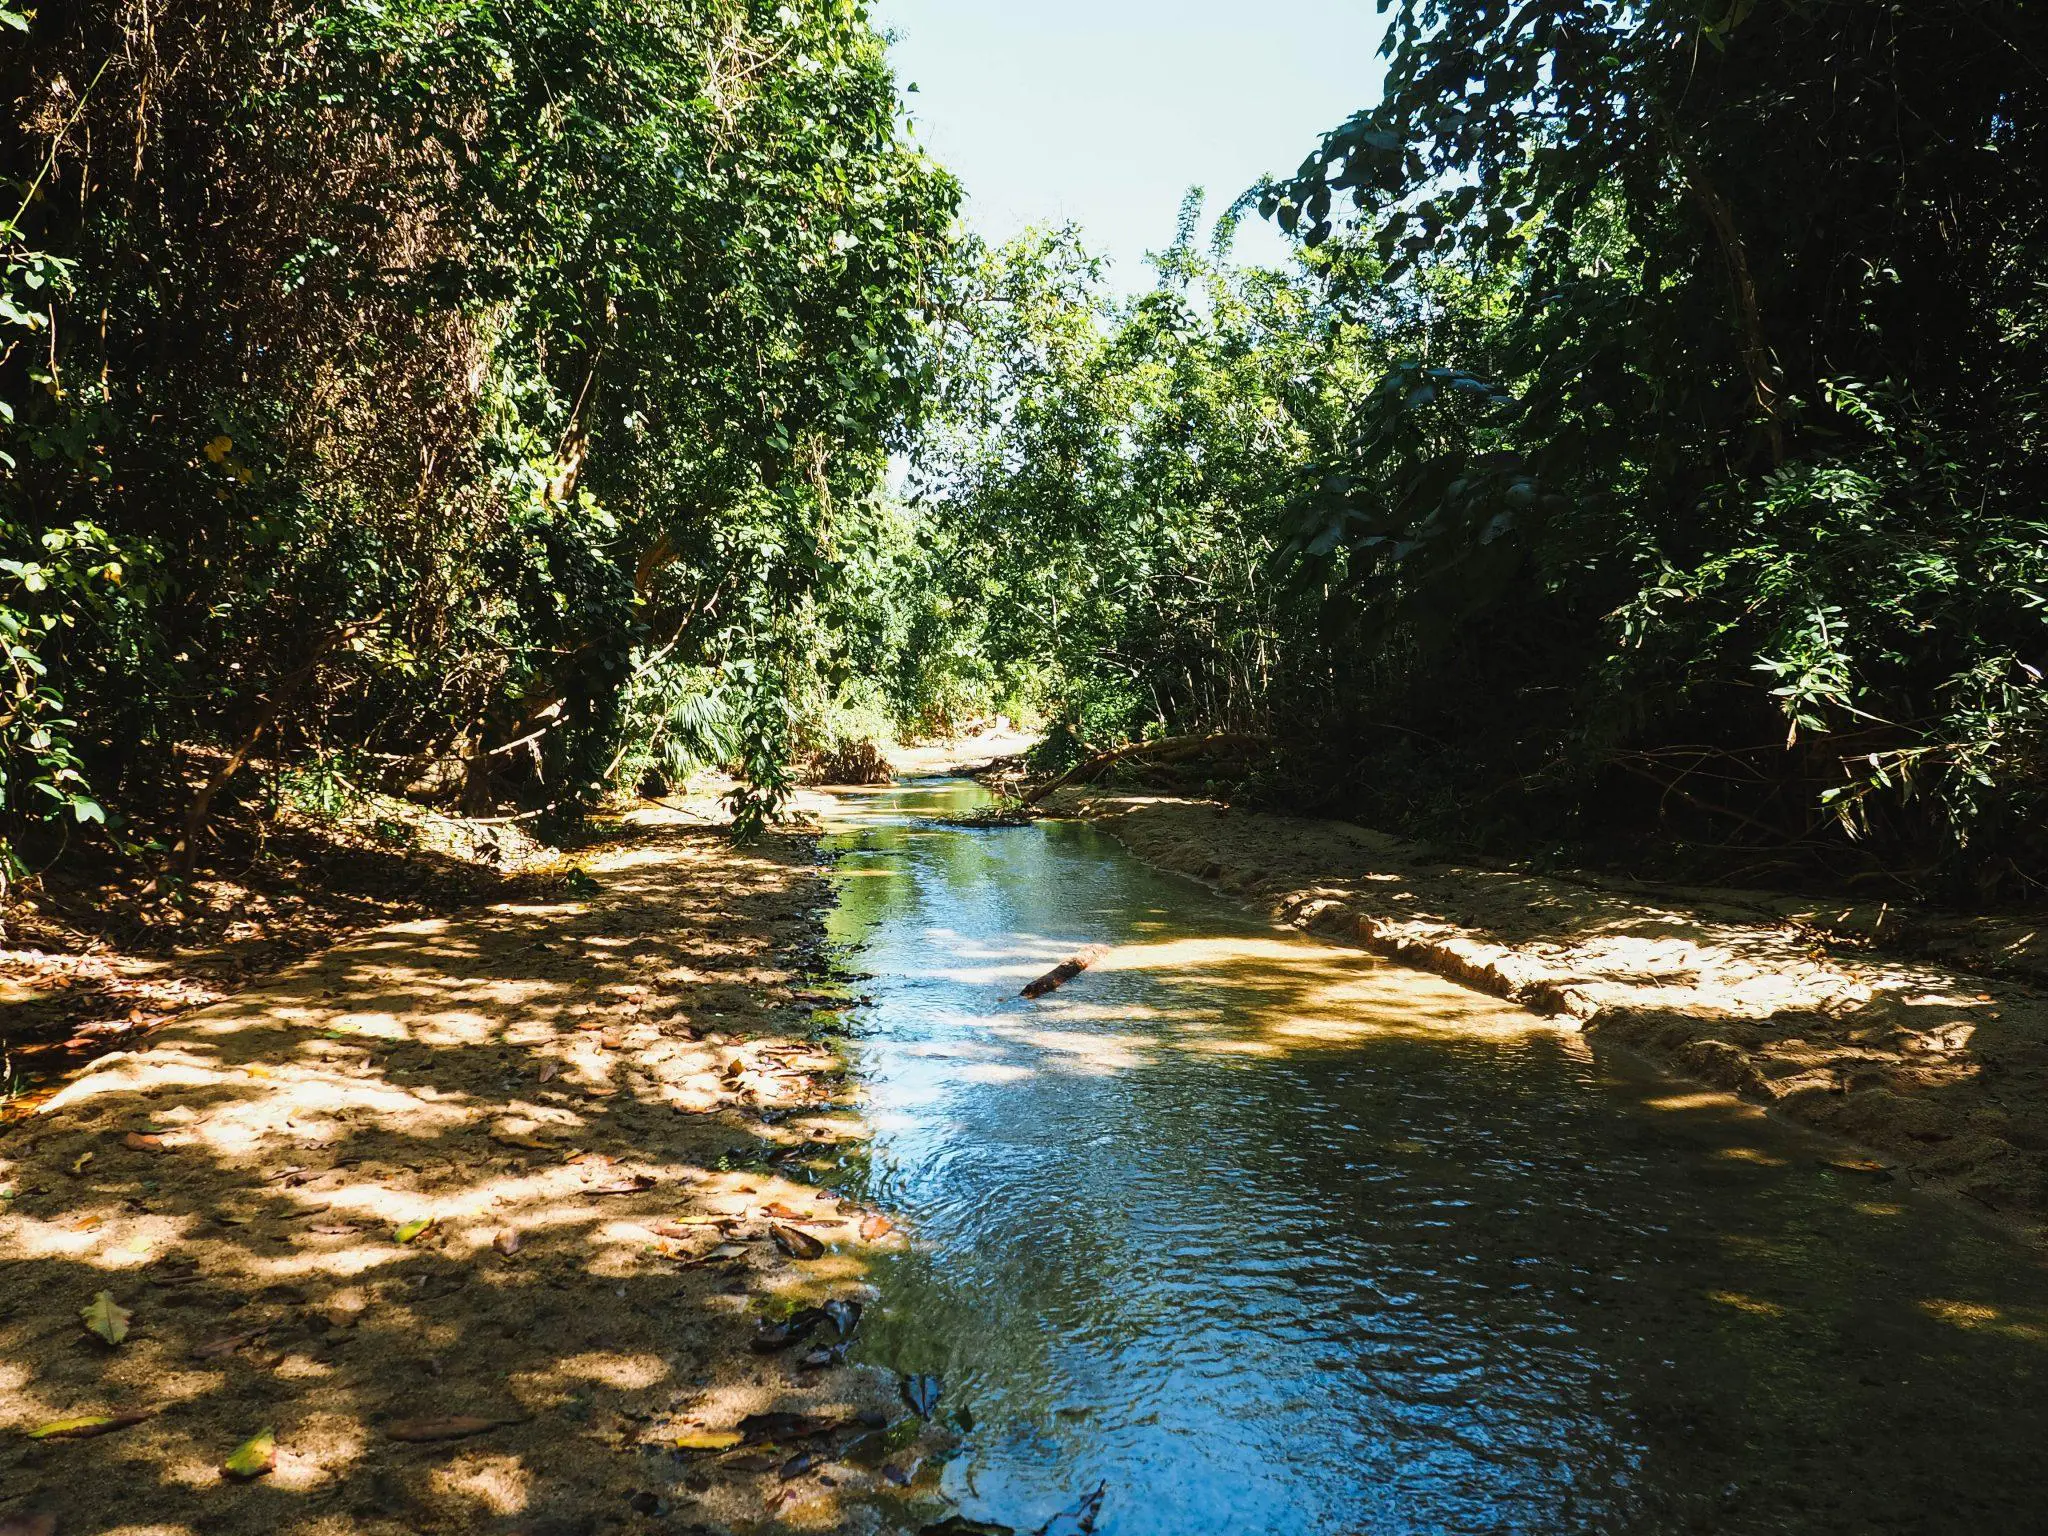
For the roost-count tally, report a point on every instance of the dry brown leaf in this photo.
(797, 1244)
(144, 1141)
(875, 1226)
(458, 1426)
(688, 1226)
(213, 1348)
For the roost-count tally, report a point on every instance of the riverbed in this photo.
(1264, 1235)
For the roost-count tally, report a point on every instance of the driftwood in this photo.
(1169, 749)
(1064, 972)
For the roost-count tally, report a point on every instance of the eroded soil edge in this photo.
(1943, 1072)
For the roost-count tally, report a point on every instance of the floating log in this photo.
(1065, 971)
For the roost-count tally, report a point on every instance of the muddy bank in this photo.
(482, 1217)
(1942, 1071)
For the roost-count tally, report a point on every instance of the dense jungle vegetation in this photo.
(499, 400)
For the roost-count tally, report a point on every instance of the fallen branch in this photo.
(1064, 972)
(1170, 749)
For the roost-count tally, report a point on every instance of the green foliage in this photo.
(1751, 298)
(1647, 454)
(456, 380)
(1102, 479)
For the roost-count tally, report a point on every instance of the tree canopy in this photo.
(1642, 457)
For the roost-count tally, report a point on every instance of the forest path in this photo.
(625, 1091)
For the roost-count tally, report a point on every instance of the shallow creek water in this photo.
(1272, 1237)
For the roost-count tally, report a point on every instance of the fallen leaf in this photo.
(258, 1072)
(875, 1226)
(78, 1163)
(106, 1319)
(143, 1141)
(723, 1253)
(921, 1394)
(632, 1184)
(547, 1072)
(758, 1428)
(506, 1242)
(87, 1425)
(254, 1456)
(458, 1426)
(844, 1316)
(1079, 1519)
(799, 1325)
(798, 1245)
(412, 1231)
(214, 1348)
(84, 1221)
(688, 1226)
(709, 1440)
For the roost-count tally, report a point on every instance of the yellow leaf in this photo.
(709, 1440)
(257, 1071)
(106, 1319)
(86, 1425)
(416, 1229)
(254, 1456)
(220, 448)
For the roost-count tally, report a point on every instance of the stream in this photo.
(1268, 1236)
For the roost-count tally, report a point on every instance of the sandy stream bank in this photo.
(1942, 1071)
(603, 1105)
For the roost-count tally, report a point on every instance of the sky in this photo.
(1104, 112)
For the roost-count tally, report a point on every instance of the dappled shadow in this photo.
(519, 1167)
(1944, 1072)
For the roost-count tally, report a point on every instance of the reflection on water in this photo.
(1277, 1239)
